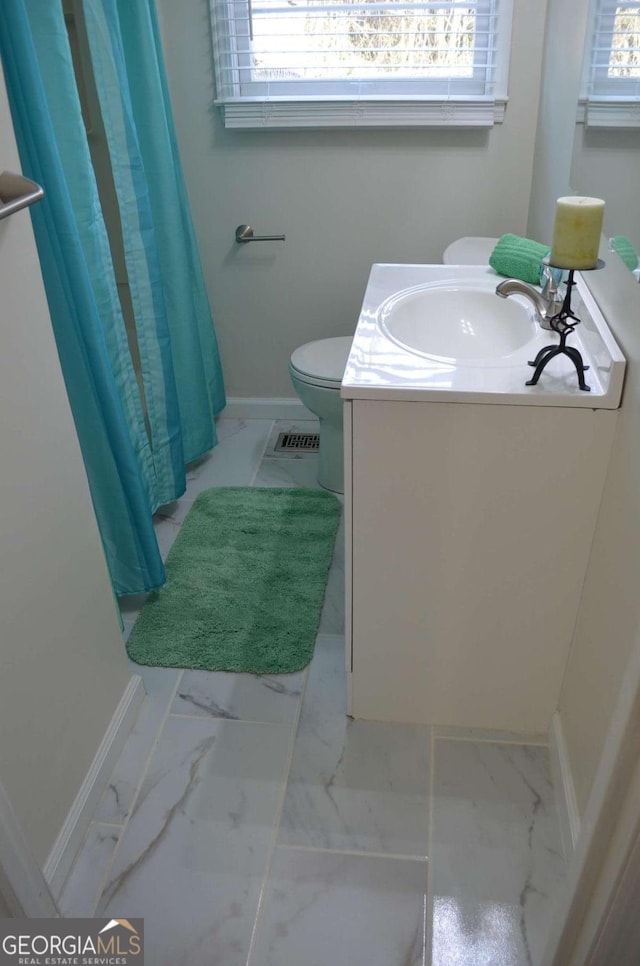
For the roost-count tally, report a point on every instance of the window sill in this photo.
(609, 112)
(380, 113)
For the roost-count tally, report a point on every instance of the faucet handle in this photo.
(550, 279)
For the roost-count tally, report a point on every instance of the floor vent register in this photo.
(297, 443)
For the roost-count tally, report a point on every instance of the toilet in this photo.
(469, 251)
(316, 371)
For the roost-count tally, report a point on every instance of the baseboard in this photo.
(565, 791)
(75, 826)
(23, 890)
(258, 407)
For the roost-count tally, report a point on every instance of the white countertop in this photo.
(380, 368)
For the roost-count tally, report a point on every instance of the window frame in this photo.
(329, 104)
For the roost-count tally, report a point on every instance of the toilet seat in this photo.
(322, 363)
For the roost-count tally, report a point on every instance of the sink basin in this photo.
(439, 333)
(458, 321)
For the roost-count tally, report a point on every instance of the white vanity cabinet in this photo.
(469, 530)
(470, 516)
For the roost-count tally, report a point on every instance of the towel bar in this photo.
(244, 233)
(17, 192)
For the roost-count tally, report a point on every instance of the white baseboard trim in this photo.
(23, 890)
(75, 826)
(258, 407)
(565, 792)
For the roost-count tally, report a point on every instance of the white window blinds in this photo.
(611, 85)
(360, 61)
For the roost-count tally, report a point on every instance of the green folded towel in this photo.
(625, 250)
(518, 257)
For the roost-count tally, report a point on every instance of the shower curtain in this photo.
(134, 447)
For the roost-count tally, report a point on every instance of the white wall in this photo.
(344, 199)
(63, 668)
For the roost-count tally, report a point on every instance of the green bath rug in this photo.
(245, 583)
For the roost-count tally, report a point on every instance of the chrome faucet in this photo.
(547, 303)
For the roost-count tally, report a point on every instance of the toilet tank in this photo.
(472, 250)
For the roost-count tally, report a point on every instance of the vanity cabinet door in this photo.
(471, 529)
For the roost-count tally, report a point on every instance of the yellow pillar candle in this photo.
(576, 232)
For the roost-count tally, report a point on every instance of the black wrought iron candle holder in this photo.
(564, 323)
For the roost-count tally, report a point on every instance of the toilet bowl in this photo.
(473, 250)
(316, 371)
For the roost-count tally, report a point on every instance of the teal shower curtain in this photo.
(134, 449)
(195, 353)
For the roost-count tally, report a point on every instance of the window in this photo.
(299, 63)
(611, 80)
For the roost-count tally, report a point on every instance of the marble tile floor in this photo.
(251, 823)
